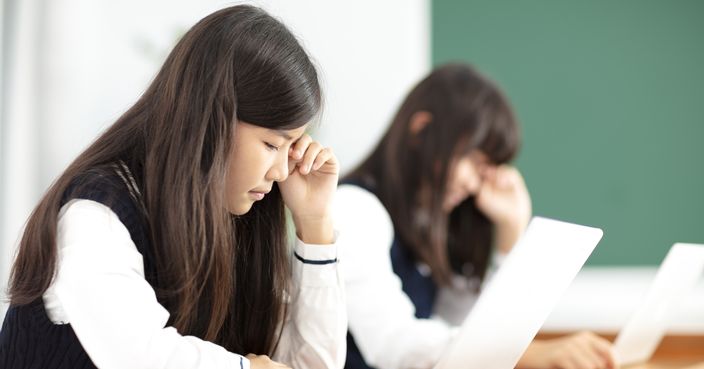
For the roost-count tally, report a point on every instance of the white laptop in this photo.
(676, 277)
(520, 296)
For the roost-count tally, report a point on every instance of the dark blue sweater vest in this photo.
(28, 339)
(420, 289)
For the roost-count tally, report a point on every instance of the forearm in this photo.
(507, 234)
(314, 332)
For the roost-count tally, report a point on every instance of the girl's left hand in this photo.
(583, 350)
(308, 191)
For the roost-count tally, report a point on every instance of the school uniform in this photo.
(101, 309)
(398, 317)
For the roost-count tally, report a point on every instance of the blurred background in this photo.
(609, 93)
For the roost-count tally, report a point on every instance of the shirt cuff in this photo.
(316, 254)
(316, 264)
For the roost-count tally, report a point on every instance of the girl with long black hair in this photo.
(425, 216)
(164, 244)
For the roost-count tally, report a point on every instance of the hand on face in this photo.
(503, 198)
(308, 190)
(306, 174)
(583, 350)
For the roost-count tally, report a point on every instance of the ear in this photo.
(419, 120)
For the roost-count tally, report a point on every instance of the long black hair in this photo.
(409, 171)
(222, 277)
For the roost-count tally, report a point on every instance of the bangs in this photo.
(295, 103)
(497, 136)
(278, 86)
(502, 140)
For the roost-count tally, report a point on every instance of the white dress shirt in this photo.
(381, 316)
(101, 291)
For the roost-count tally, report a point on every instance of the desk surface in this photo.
(674, 352)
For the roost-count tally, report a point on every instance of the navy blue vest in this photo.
(28, 339)
(420, 289)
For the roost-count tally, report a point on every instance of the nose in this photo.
(468, 178)
(465, 175)
(279, 171)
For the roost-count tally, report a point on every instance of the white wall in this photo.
(18, 159)
(79, 63)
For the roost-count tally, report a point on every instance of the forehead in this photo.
(478, 156)
(290, 134)
(287, 134)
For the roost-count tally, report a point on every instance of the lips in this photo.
(258, 194)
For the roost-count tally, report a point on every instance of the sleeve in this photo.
(381, 316)
(314, 332)
(101, 290)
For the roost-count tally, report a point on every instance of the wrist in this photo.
(315, 230)
(533, 357)
(507, 234)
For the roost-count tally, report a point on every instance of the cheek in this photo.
(244, 175)
(249, 166)
(233, 188)
(233, 183)
(238, 173)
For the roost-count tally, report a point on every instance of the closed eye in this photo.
(271, 147)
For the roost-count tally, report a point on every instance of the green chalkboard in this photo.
(610, 95)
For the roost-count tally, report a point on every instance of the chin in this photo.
(241, 208)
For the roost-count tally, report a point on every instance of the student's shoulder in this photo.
(107, 187)
(101, 184)
(361, 206)
(365, 228)
(355, 192)
(356, 197)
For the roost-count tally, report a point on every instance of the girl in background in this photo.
(425, 214)
(163, 245)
